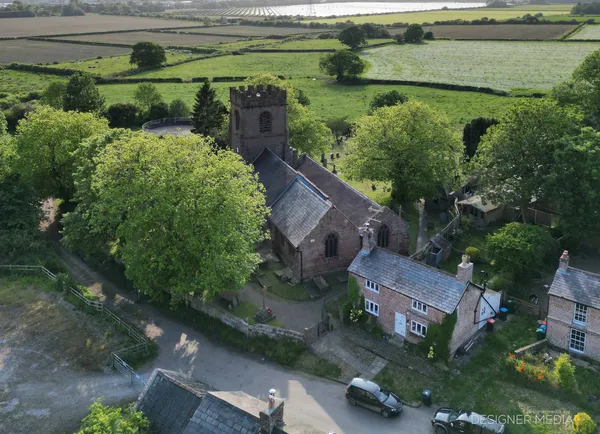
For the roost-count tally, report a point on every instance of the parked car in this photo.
(369, 395)
(449, 421)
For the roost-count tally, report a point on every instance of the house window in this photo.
(371, 307)
(237, 120)
(418, 328)
(372, 286)
(580, 314)
(383, 237)
(264, 122)
(331, 246)
(419, 307)
(577, 341)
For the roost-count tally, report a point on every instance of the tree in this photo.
(589, 70)
(103, 419)
(353, 37)
(414, 33)
(146, 95)
(515, 158)
(410, 145)
(45, 141)
(564, 373)
(472, 133)
(159, 110)
(187, 216)
(302, 98)
(179, 109)
(342, 63)
(72, 9)
(82, 95)
(387, 99)
(208, 111)
(54, 94)
(428, 36)
(122, 115)
(520, 249)
(307, 133)
(340, 127)
(147, 55)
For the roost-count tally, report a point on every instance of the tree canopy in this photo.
(409, 145)
(209, 112)
(54, 94)
(103, 419)
(178, 108)
(387, 99)
(147, 55)
(353, 37)
(146, 95)
(472, 133)
(342, 64)
(81, 94)
(414, 33)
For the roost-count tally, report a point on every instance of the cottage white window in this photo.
(418, 328)
(371, 307)
(580, 314)
(419, 307)
(577, 341)
(372, 286)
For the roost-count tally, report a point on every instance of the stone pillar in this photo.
(368, 238)
(271, 417)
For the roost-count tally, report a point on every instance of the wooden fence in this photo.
(116, 361)
(523, 306)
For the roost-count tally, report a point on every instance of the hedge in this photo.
(73, 41)
(40, 69)
(445, 86)
(124, 80)
(275, 50)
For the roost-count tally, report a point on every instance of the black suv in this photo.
(369, 395)
(448, 421)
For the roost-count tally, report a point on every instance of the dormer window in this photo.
(580, 314)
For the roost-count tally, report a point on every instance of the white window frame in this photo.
(580, 310)
(417, 328)
(580, 338)
(372, 286)
(419, 307)
(371, 307)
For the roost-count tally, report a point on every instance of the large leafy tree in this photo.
(515, 159)
(54, 94)
(187, 216)
(45, 141)
(81, 94)
(387, 99)
(342, 64)
(103, 419)
(308, 134)
(353, 37)
(410, 145)
(472, 133)
(414, 33)
(147, 55)
(146, 95)
(208, 113)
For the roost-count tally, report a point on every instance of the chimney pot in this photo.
(368, 240)
(465, 270)
(563, 263)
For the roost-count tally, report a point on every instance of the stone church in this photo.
(316, 218)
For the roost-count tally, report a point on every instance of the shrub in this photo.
(438, 337)
(122, 115)
(564, 373)
(353, 290)
(473, 253)
(428, 36)
(501, 282)
(103, 418)
(583, 424)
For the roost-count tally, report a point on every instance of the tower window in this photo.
(237, 120)
(383, 236)
(264, 122)
(331, 246)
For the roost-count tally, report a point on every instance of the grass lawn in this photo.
(317, 44)
(499, 65)
(247, 309)
(20, 83)
(278, 287)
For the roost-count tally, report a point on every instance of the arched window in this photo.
(237, 120)
(264, 122)
(331, 246)
(383, 236)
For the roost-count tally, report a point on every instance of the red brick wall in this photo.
(465, 323)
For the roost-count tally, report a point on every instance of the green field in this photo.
(496, 64)
(20, 83)
(587, 32)
(318, 44)
(288, 65)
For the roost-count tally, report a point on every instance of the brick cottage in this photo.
(407, 296)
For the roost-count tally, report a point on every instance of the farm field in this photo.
(329, 100)
(233, 46)
(499, 65)
(38, 26)
(318, 44)
(24, 51)
(255, 30)
(498, 31)
(20, 83)
(296, 65)
(587, 32)
(131, 38)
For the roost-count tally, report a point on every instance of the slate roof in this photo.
(298, 210)
(274, 173)
(411, 278)
(170, 400)
(476, 202)
(353, 204)
(577, 285)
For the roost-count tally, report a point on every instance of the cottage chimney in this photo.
(465, 270)
(563, 263)
(368, 239)
(272, 416)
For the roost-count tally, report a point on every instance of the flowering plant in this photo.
(355, 314)
(529, 370)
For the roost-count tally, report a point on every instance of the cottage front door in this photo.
(400, 327)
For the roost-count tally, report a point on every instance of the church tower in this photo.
(258, 120)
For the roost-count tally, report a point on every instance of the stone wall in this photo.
(239, 324)
(465, 326)
(398, 230)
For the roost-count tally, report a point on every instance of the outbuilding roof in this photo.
(411, 278)
(577, 285)
(477, 202)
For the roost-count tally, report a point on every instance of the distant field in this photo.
(589, 31)
(498, 31)
(495, 64)
(288, 65)
(24, 51)
(20, 83)
(38, 26)
(177, 39)
(256, 30)
(316, 44)
(329, 100)
(233, 46)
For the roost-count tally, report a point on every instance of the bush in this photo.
(439, 336)
(106, 419)
(564, 373)
(353, 291)
(428, 36)
(583, 424)
(501, 282)
(473, 253)
(122, 115)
